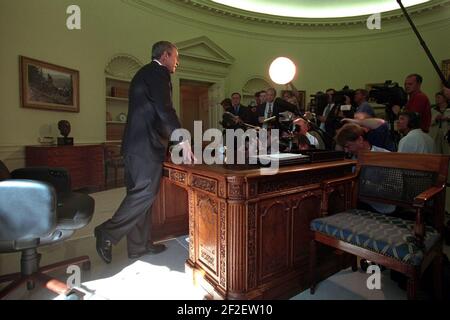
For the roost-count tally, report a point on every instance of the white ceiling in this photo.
(318, 8)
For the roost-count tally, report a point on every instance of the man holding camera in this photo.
(360, 98)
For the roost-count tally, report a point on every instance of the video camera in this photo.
(390, 93)
(339, 97)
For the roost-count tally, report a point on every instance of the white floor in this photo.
(162, 276)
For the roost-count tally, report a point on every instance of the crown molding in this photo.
(210, 7)
(197, 14)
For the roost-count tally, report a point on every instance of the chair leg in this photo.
(13, 285)
(437, 277)
(106, 177)
(411, 287)
(52, 284)
(354, 263)
(312, 265)
(10, 277)
(84, 260)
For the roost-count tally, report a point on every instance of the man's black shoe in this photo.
(103, 245)
(151, 249)
(156, 248)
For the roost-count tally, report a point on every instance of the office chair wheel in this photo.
(86, 266)
(73, 296)
(31, 285)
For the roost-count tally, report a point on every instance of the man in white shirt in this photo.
(327, 109)
(272, 108)
(415, 140)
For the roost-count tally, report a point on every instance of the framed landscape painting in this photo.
(48, 86)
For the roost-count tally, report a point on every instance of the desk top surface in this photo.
(255, 171)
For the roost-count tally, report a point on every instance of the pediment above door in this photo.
(202, 55)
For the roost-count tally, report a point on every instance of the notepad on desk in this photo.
(281, 158)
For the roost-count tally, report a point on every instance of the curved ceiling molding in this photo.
(223, 10)
(217, 18)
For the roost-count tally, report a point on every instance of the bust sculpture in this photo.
(64, 129)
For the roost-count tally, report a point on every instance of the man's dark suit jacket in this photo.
(279, 105)
(242, 113)
(151, 116)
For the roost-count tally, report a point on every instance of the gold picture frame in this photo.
(49, 87)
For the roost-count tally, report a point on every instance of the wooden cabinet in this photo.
(85, 163)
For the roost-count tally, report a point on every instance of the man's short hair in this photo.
(160, 47)
(364, 92)
(441, 93)
(418, 77)
(226, 102)
(348, 133)
(236, 93)
(330, 89)
(413, 119)
(273, 90)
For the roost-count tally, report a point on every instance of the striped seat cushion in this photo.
(384, 234)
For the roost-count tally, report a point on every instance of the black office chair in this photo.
(37, 208)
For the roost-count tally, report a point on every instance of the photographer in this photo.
(342, 108)
(394, 98)
(326, 110)
(361, 97)
(377, 131)
(440, 124)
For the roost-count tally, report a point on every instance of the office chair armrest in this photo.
(427, 195)
(59, 178)
(27, 209)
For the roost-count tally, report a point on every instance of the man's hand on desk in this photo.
(188, 155)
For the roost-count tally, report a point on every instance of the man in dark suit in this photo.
(272, 108)
(151, 121)
(239, 112)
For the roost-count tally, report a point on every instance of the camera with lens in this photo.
(343, 108)
(390, 93)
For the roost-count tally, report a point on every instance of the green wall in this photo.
(327, 57)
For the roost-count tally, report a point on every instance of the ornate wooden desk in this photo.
(249, 234)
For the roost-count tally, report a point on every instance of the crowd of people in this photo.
(348, 121)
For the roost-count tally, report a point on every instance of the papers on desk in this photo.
(282, 158)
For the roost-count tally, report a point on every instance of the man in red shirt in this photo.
(418, 101)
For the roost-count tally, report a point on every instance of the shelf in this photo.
(118, 79)
(115, 122)
(116, 98)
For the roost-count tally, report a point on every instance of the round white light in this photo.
(282, 70)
